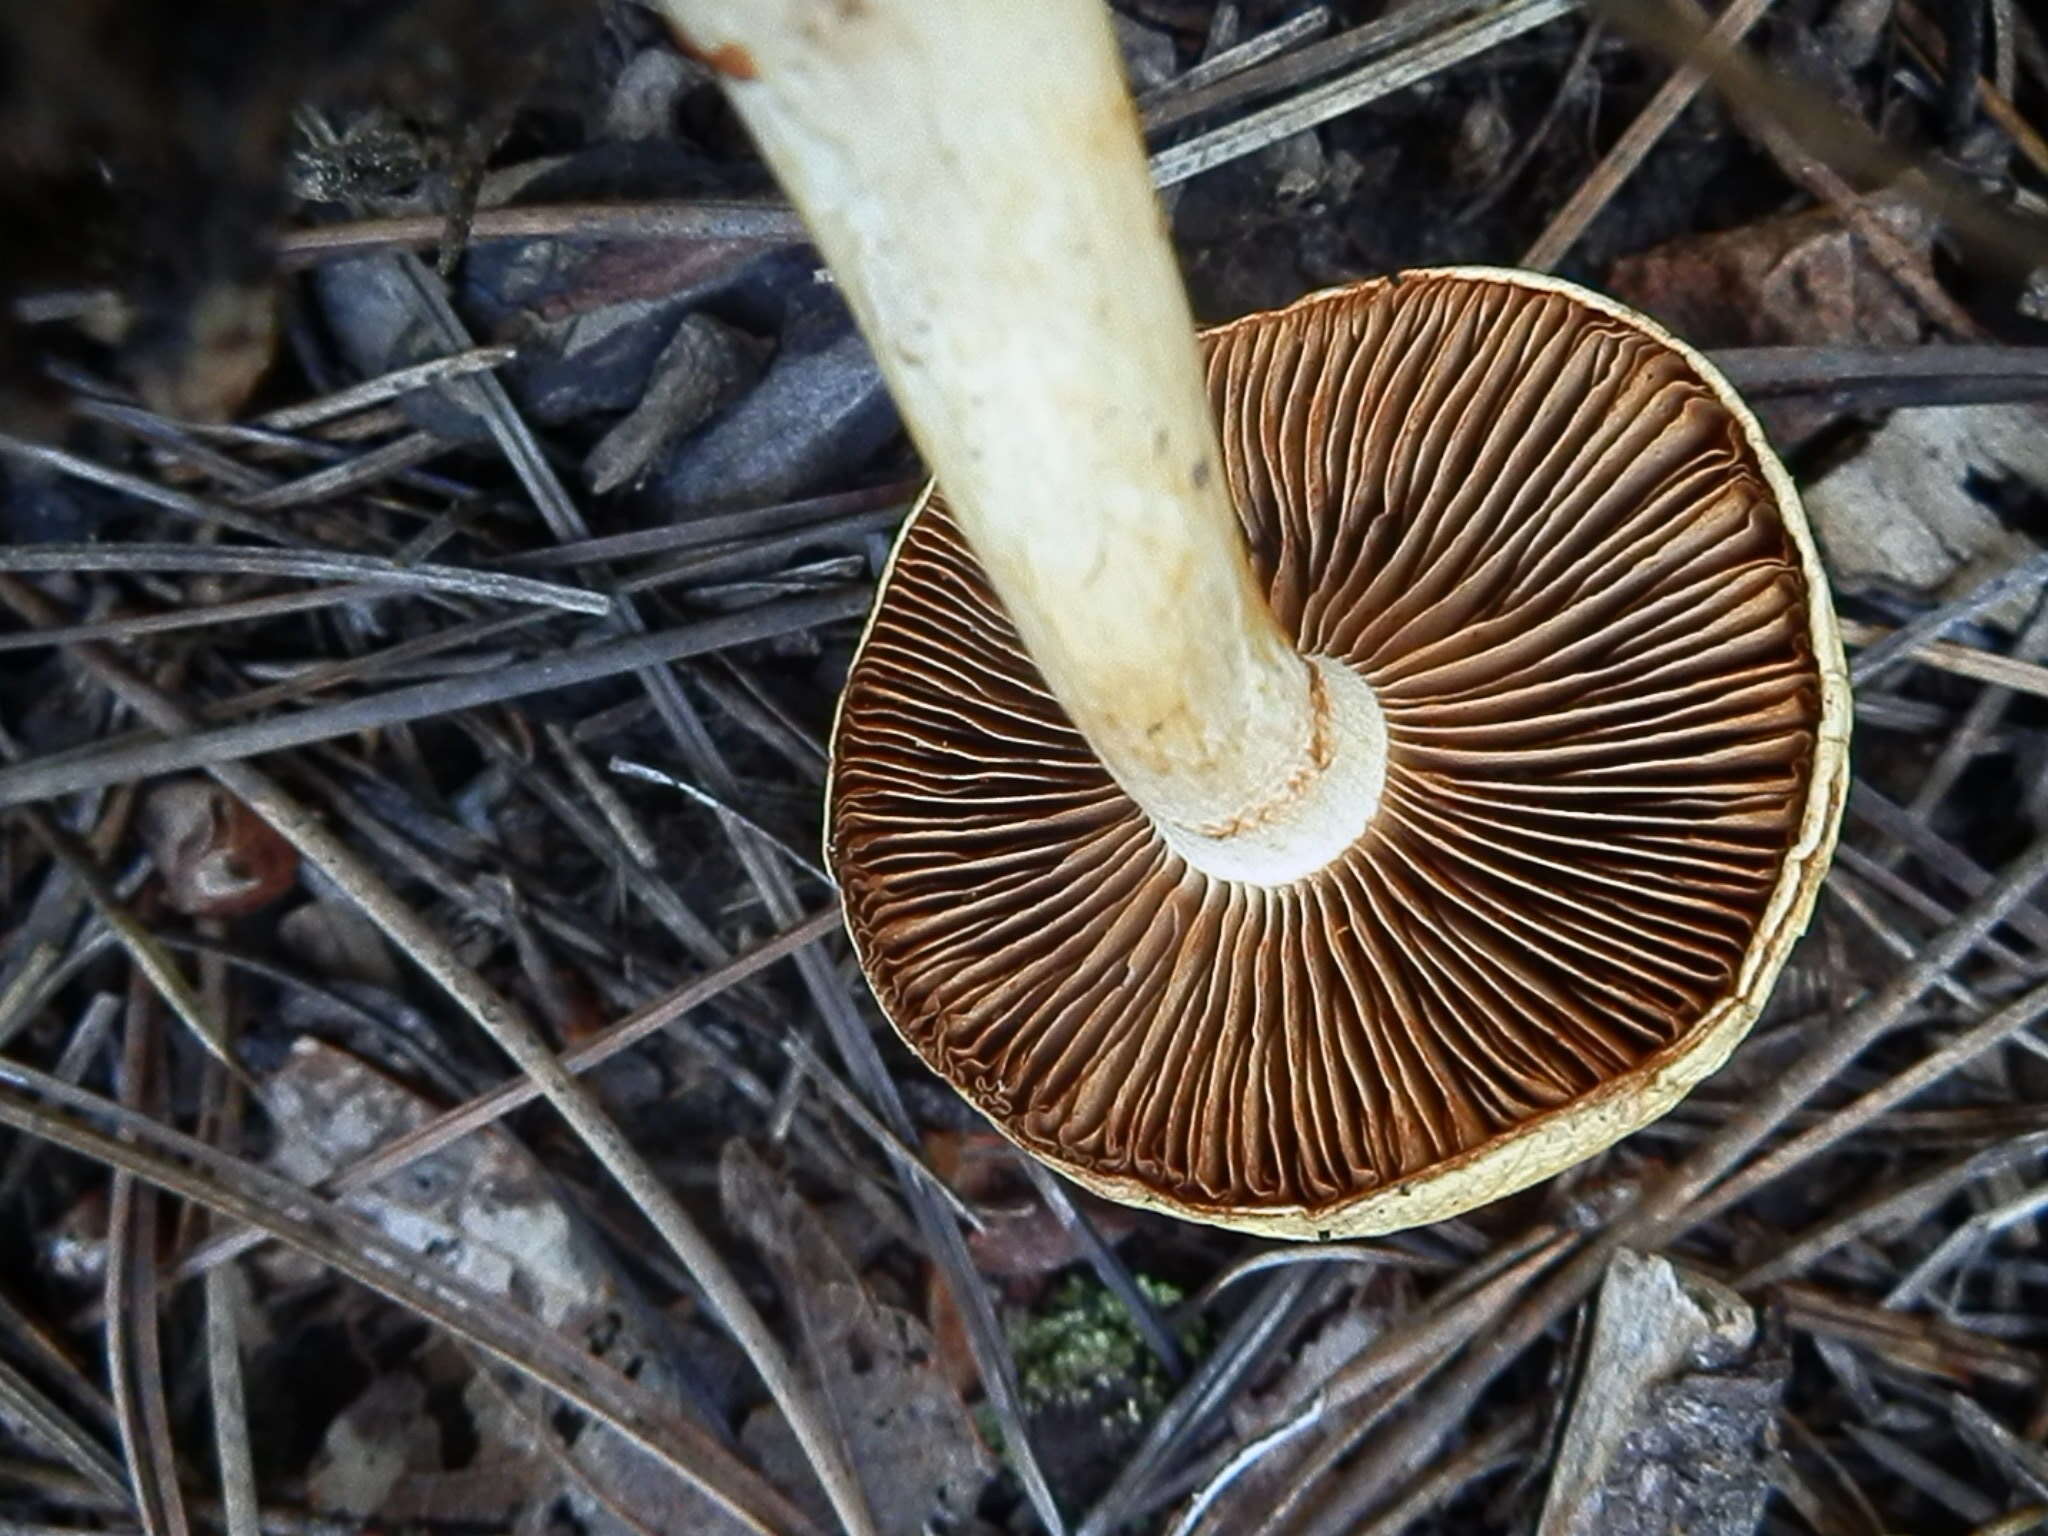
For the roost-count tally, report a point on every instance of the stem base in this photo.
(1312, 822)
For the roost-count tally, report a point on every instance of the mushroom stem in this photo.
(974, 175)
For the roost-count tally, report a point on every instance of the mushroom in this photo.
(1315, 782)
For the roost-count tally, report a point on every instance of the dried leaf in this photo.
(906, 1430)
(1019, 1237)
(706, 365)
(334, 938)
(1902, 512)
(1671, 1427)
(217, 857)
(371, 1444)
(1801, 280)
(482, 1203)
(486, 1208)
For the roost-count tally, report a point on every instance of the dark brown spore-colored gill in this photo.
(1548, 547)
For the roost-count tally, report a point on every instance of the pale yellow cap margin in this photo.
(1551, 1143)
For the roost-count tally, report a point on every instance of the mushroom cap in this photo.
(1556, 545)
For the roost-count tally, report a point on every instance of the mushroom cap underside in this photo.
(1554, 543)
